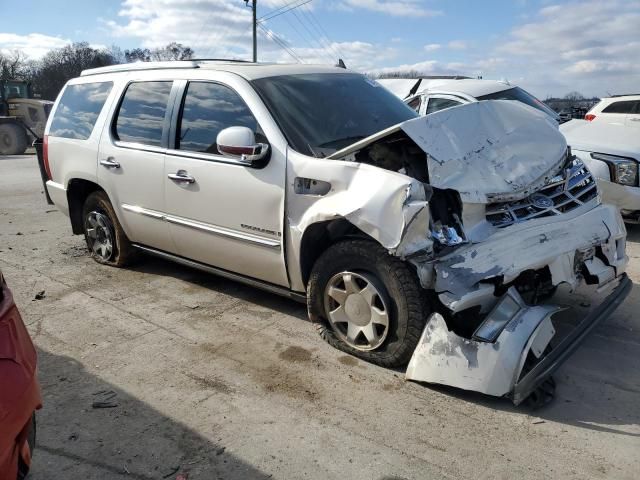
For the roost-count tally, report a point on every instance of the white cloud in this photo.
(432, 47)
(34, 45)
(220, 28)
(457, 45)
(397, 8)
(589, 46)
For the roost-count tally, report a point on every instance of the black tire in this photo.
(122, 252)
(13, 139)
(408, 304)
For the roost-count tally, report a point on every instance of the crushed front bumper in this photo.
(463, 277)
(561, 352)
(497, 367)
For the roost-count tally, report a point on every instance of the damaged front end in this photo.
(501, 216)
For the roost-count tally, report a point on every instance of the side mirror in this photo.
(240, 143)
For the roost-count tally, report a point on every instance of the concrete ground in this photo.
(213, 379)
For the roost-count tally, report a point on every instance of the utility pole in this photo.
(255, 27)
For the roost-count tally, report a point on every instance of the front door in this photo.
(221, 212)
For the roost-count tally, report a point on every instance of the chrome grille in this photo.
(566, 191)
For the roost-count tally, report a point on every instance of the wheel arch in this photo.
(319, 236)
(78, 189)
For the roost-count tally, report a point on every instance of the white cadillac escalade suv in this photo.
(426, 241)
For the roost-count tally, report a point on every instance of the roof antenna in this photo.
(341, 64)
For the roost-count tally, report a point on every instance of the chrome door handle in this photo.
(181, 176)
(109, 162)
(635, 119)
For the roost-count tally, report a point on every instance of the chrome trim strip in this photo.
(205, 227)
(139, 146)
(267, 242)
(209, 157)
(270, 287)
(143, 211)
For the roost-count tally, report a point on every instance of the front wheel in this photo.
(367, 303)
(106, 240)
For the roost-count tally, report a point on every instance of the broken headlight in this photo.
(623, 170)
(505, 310)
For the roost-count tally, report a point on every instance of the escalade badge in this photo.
(541, 201)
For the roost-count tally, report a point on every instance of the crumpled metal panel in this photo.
(491, 368)
(489, 150)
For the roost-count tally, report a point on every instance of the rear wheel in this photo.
(367, 303)
(13, 139)
(104, 235)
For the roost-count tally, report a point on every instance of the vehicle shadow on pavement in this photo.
(90, 428)
(596, 389)
(157, 266)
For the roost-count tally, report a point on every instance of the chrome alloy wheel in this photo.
(357, 311)
(100, 234)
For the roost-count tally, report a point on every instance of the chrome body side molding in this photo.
(205, 227)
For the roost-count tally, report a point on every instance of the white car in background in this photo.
(612, 153)
(430, 94)
(618, 109)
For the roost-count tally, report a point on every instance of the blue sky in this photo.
(548, 47)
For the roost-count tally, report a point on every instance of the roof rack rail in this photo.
(624, 95)
(443, 77)
(129, 67)
(230, 60)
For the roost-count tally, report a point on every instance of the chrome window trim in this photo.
(208, 157)
(205, 227)
(139, 146)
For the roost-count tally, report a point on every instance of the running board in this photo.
(236, 277)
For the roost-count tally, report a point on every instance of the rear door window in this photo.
(436, 104)
(621, 107)
(78, 110)
(209, 108)
(141, 116)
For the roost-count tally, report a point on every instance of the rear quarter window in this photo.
(78, 110)
(621, 107)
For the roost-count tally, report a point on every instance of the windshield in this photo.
(520, 95)
(321, 113)
(15, 90)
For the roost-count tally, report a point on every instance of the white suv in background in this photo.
(431, 94)
(406, 238)
(619, 109)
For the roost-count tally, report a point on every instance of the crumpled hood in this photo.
(494, 150)
(489, 149)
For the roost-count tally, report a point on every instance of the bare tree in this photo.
(58, 66)
(137, 55)
(173, 51)
(13, 65)
(574, 96)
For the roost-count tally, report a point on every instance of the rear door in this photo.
(131, 161)
(231, 215)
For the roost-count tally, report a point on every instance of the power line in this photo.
(274, 37)
(277, 13)
(326, 53)
(303, 37)
(322, 32)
